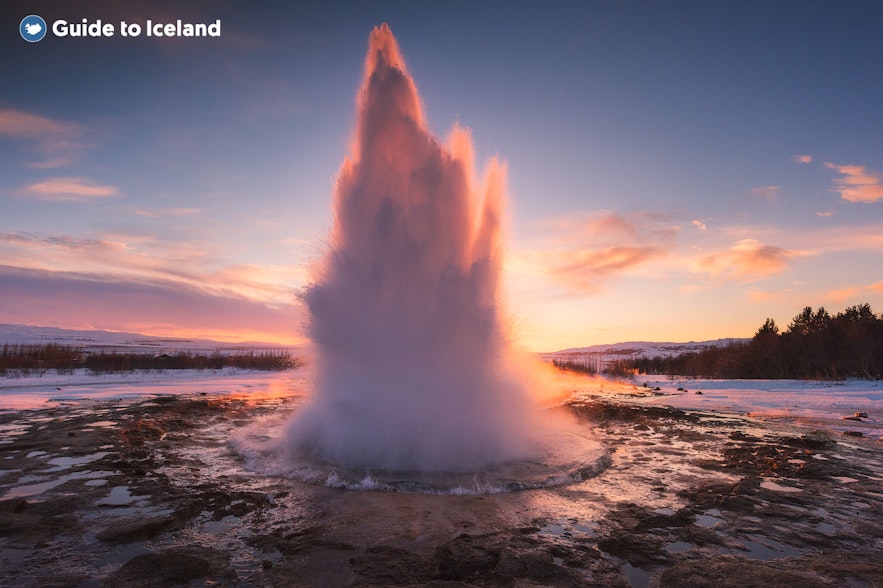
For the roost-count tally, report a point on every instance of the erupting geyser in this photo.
(413, 371)
(411, 352)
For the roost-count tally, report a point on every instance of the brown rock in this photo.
(171, 567)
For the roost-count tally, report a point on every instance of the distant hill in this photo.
(30, 335)
(600, 355)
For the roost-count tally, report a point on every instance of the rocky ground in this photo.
(149, 493)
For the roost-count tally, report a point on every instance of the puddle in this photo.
(102, 424)
(678, 546)
(770, 485)
(224, 525)
(708, 521)
(63, 463)
(637, 577)
(766, 549)
(554, 529)
(120, 496)
(36, 489)
(14, 429)
(570, 532)
(584, 529)
(844, 479)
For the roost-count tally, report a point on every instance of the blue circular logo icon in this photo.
(32, 28)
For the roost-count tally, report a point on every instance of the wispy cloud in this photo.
(70, 190)
(68, 242)
(589, 269)
(852, 292)
(769, 193)
(803, 158)
(58, 142)
(591, 250)
(166, 212)
(758, 295)
(699, 224)
(140, 258)
(824, 240)
(825, 213)
(746, 260)
(858, 183)
(842, 295)
(150, 306)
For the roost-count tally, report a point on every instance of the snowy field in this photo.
(50, 389)
(816, 404)
(813, 404)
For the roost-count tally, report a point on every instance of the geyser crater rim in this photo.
(567, 457)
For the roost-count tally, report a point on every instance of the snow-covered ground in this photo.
(811, 403)
(601, 354)
(52, 389)
(814, 404)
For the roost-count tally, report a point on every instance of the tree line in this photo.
(24, 360)
(815, 345)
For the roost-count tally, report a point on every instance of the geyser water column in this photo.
(413, 368)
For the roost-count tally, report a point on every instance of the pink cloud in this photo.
(82, 300)
(592, 250)
(70, 190)
(167, 212)
(857, 184)
(589, 269)
(25, 125)
(57, 141)
(841, 295)
(143, 258)
(803, 158)
(747, 259)
(766, 192)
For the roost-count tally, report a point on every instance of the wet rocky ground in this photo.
(150, 493)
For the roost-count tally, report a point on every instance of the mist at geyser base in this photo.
(413, 367)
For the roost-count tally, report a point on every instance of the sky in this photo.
(677, 170)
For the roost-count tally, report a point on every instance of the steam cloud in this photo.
(413, 369)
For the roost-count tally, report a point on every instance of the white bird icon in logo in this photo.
(33, 28)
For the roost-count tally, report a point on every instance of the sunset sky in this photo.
(678, 170)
